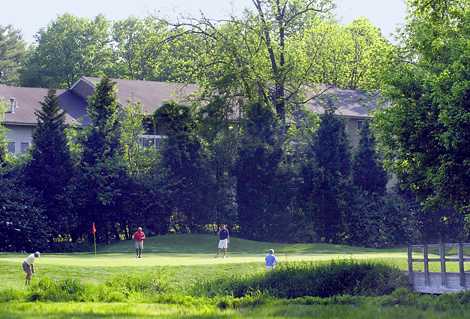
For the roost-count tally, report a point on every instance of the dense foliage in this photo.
(183, 166)
(12, 54)
(23, 224)
(424, 134)
(246, 152)
(50, 168)
(293, 280)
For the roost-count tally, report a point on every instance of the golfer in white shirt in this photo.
(28, 266)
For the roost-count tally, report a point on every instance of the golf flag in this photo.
(93, 231)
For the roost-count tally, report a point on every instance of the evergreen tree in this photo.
(23, 224)
(103, 140)
(51, 167)
(368, 173)
(220, 135)
(327, 178)
(256, 170)
(103, 182)
(184, 167)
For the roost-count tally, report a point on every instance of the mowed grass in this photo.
(187, 259)
(271, 311)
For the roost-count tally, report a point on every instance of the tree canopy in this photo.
(68, 48)
(12, 54)
(425, 133)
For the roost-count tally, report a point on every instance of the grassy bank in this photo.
(367, 309)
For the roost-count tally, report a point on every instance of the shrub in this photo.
(146, 284)
(251, 300)
(294, 280)
(57, 290)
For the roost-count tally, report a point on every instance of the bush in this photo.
(251, 300)
(57, 290)
(23, 225)
(294, 280)
(145, 284)
(380, 221)
(117, 289)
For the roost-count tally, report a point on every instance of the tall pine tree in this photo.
(51, 167)
(256, 170)
(184, 166)
(368, 173)
(102, 139)
(103, 180)
(328, 178)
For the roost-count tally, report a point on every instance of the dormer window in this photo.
(12, 106)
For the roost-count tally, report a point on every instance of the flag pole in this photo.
(94, 242)
(93, 230)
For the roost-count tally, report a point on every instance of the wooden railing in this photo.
(442, 281)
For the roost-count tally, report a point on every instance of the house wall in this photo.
(19, 134)
(353, 130)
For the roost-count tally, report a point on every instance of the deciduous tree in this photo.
(425, 133)
(68, 48)
(12, 54)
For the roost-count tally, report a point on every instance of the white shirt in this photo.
(30, 259)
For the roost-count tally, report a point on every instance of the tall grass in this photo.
(292, 280)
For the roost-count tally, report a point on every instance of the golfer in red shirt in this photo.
(139, 237)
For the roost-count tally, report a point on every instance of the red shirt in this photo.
(139, 235)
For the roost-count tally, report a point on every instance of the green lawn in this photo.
(188, 259)
(272, 311)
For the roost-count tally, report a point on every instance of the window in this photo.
(24, 147)
(11, 147)
(155, 141)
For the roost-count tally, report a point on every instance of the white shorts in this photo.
(269, 268)
(223, 244)
(139, 244)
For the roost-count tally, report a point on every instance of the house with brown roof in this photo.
(22, 103)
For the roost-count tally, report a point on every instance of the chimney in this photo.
(12, 105)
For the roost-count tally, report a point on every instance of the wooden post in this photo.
(442, 257)
(426, 265)
(410, 265)
(461, 266)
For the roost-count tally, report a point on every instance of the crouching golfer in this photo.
(223, 240)
(139, 237)
(28, 266)
(271, 260)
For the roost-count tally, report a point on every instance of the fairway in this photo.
(186, 258)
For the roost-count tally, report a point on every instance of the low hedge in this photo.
(292, 280)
